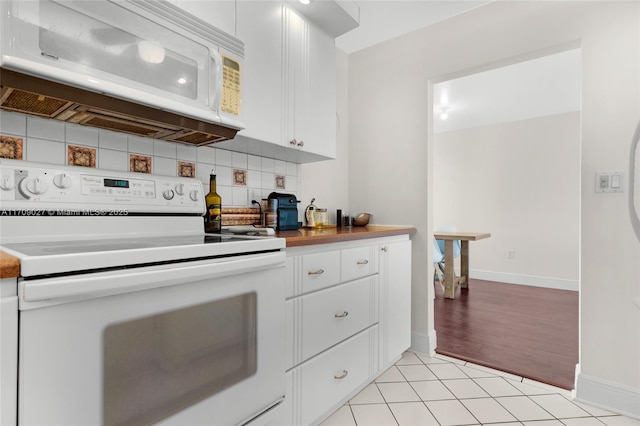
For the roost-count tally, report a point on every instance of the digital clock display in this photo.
(116, 183)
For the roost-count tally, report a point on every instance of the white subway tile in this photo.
(280, 167)
(254, 178)
(164, 166)
(81, 135)
(164, 149)
(292, 169)
(112, 140)
(254, 162)
(240, 197)
(45, 128)
(187, 153)
(12, 123)
(239, 160)
(110, 159)
(138, 145)
(268, 165)
(268, 181)
(206, 154)
(45, 151)
(224, 176)
(224, 158)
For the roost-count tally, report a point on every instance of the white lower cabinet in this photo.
(320, 385)
(348, 318)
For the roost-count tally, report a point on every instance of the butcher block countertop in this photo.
(308, 236)
(9, 265)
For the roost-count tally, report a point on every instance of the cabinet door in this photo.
(309, 71)
(320, 134)
(259, 26)
(395, 300)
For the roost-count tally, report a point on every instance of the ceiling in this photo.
(534, 88)
(381, 20)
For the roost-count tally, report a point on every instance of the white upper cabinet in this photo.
(310, 91)
(259, 27)
(288, 85)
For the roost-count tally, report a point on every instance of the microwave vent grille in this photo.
(196, 138)
(33, 95)
(32, 103)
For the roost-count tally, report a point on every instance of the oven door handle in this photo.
(109, 283)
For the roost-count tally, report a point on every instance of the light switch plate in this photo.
(609, 181)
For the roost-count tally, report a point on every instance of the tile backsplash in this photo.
(240, 177)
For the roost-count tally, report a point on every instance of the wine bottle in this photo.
(213, 217)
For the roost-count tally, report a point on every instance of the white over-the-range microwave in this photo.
(149, 52)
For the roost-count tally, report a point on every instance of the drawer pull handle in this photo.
(341, 376)
(318, 272)
(363, 262)
(342, 315)
(384, 248)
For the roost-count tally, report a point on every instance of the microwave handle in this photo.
(215, 88)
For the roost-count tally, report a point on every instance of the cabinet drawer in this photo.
(319, 320)
(320, 270)
(358, 262)
(320, 384)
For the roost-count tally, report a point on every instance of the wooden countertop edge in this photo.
(306, 236)
(9, 265)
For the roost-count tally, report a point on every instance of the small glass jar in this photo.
(321, 217)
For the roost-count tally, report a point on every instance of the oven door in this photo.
(187, 343)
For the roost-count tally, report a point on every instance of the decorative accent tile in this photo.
(81, 156)
(186, 169)
(240, 177)
(11, 147)
(281, 182)
(139, 163)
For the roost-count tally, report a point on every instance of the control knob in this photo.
(62, 181)
(168, 194)
(34, 186)
(5, 183)
(180, 189)
(194, 195)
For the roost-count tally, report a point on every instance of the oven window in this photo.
(159, 365)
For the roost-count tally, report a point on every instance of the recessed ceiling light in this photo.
(305, 1)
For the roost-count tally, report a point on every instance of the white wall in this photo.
(390, 141)
(521, 182)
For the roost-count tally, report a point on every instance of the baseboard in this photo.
(607, 395)
(532, 280)
(424, 343)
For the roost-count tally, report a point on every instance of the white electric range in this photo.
(126, 311)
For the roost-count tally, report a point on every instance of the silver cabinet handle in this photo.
(341, 376)
(318, 272)
(363, 262)
(342, 315)
(293, 142)
(384, 248)
(301, 143)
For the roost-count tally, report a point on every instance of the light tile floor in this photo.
(420, 391)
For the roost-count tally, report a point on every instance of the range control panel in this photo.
(28, 186)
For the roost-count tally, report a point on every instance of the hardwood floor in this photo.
(528, 331)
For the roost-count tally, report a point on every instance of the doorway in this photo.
(506, 160)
